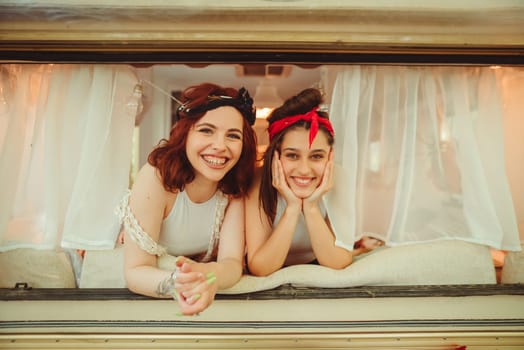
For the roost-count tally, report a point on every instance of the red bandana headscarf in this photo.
(311, 116)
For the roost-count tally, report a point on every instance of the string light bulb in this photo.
(135, 106)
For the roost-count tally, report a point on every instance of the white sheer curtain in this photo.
(419, 156)
(65, 149)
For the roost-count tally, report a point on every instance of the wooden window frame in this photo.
(150, 35)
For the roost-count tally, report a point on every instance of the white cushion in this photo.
(435, 263)
(37, 268)
(103, 269)
(513, 270)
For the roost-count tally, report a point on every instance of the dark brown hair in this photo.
(299, 104)
(170, 158)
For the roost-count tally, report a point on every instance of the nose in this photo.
(303, 166)
(219, 142)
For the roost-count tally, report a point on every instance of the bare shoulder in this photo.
(147, 173)
(148, 187)
(235, 204)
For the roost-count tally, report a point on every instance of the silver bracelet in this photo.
(166, 287)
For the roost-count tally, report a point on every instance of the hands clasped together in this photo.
(194, 289)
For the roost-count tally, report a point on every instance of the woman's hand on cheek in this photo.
(280, 183)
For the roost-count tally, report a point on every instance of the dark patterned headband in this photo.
(243, 103)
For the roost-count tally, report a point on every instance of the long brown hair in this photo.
(299, 104)
(170, 158)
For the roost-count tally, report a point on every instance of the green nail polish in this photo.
(210, 274)
(211, 280)
(196, 297)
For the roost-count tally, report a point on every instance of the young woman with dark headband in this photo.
(188, 200)
(286, 222)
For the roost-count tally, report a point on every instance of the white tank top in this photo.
(187, 228)
(300, 251)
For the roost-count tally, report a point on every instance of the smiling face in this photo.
(303, 165)
(214, 143)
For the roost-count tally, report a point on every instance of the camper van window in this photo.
(427, 158)
(418, 156)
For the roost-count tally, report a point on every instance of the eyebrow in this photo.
(316, 150)
(209, 125)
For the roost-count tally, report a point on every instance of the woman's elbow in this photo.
(230, 272)
(258, 270)
(131, 281)
(258, 273)
(235, 275)
(132, 286)
(337, 264)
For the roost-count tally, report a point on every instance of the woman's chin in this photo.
(303, 193)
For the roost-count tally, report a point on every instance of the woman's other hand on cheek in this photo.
(280, 183)
(325, 185)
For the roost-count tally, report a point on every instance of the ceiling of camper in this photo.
(287, 79)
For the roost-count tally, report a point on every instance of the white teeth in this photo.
(214, 160)
(302, 181)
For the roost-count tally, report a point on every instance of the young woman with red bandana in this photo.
(286, 221)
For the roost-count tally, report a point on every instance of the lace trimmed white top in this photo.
(184, 230)
(187, 228)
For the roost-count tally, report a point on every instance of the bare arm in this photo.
(148, 202)
(198, 291)
(268, 247)
(319, 229)
(323, 241)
